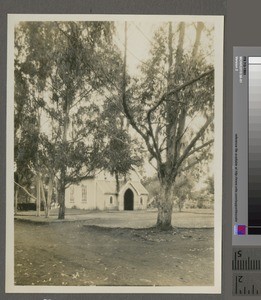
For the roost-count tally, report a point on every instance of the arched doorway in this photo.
(128, 200)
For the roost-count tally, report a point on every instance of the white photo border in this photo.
(218, 21)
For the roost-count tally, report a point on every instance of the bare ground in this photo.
(72, 254)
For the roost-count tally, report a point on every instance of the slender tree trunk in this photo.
(61, 194)
(49, 196)
(181, 202)
(173, 114)
(38, 176)
(117, 187)
(62, 180)
(38, 198)
(43, 198)
(199, 28)
(16, 188)
(16, 200)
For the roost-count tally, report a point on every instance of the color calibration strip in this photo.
(246, 189)
(254, 146)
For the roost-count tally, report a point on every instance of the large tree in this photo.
(171, 106)
(26, 131)
(63, 65)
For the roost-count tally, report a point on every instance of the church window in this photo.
(141, 200)
(111, 199)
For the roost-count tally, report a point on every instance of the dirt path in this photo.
(71, 254)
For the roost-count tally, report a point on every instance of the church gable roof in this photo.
(138, 187)
(107, 187)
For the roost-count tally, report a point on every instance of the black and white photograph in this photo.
(114, 151)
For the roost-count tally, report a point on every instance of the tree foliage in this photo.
(60, 67)
(121, 152)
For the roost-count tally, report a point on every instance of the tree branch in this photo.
(192, 164)
(158, 153)
(23, 188)
(76, 180)
(82, 95)
(179, 88)
(200, 147)
(48, 110)
(193, 142)
(189, 166)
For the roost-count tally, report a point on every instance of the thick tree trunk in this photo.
(165, 208)
(166, 174)
(61, 201)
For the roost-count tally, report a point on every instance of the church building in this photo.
(99, 192)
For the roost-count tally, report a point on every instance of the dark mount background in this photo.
(242, 28)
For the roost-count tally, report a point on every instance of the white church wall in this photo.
(142, 202)
(99, 198)
(82, 195)
(110, 202)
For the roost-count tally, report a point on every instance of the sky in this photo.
(140, 37)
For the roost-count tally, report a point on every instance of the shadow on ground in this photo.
(127, 219)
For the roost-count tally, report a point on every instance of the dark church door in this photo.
(128, 200)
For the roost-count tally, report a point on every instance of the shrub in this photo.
(28, 206)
